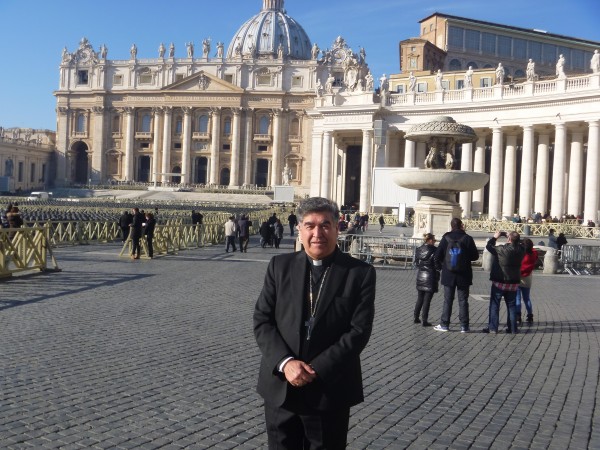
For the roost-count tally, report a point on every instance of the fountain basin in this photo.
(443, 180)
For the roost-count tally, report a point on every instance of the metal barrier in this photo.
(570, 228)
(25, 249)
(580, 259)
(388, 250)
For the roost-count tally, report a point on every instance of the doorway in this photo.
(352, 185)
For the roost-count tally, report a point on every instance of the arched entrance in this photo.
(224, 179)
(175, 178)
(144, 169)
(80, 160)
(262, 172)
(352, 187)
(201, 170)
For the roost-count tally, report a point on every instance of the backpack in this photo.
(456, 255)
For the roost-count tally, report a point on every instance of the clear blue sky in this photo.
(34, 32)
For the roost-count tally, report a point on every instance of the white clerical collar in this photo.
(316, 262)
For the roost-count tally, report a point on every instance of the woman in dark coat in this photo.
(428, 277)
(149, 232)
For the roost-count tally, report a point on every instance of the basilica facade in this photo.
(221, 115)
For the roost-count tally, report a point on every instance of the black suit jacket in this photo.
(342, 328)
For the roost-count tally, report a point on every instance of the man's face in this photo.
(318, 233)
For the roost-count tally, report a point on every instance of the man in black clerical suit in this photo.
(312, 320)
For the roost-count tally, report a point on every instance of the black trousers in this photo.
(423, 301)
(309, 430)
(150, 247)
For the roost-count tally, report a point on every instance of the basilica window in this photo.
(116, 124)
(295, 127)
(227, 126)
(43, 177)
(472, 40)
(80, 125)
(263, 148)
(145, 76)
(535, 50)
(263, 125)
(297, 82)
(488, 43)
(145, 145)
(504, 46)
(577, 59)
(177, 145)
(179, 77)
(226, 147)
(339, 78)
(178, 125)
(455, 37)
(519, 48)
(203, 124)
(146, 123)
(82, 77)
(20, 172)
(549, 55)
(117, 80)
(263, 80)
(455, 65)
(32, 173)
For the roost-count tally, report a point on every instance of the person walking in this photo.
(292, 221)
(428, 277)
(505, 276)
(312, 320)
(524, 291)
(230, 231)
(244, 232)
(135, 231)
(149, 232)
(278, 233)
(455, 253)
(381, 223)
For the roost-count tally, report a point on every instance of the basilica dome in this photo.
(269, 33)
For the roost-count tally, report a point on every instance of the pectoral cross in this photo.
(309, 325)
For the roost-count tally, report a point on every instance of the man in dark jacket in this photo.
(124, 222)
(457, 278)
(505, 276)
(136, 232)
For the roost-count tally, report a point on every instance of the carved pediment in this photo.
(203, 82)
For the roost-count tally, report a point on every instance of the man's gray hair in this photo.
(317, 204)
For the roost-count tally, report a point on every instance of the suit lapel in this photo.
(335, 279)
(298, 283)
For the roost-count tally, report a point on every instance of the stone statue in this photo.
(238, 49)
(369, 82)
(329, 83)
(103, 51)
(362, 55)
(412, 83)
(530, 72)
(500, 74)
(560, 67)
(286, 175)
(66, 57)
(206, 47)
(314, 53)
(383, 84)
(438, 157)
(133, 51)
(171, 50)
(190, 49)
(595, 62)
(220, 47)
(469, 78)
(280, 51)
(251, 48)
(438, 80)
(319, 88)
(161, 50)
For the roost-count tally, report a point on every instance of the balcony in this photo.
(80, 134)
(295, 138)
(201, 135)
(143, 135)
(262, 138)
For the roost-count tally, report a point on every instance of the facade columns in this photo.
(248, 149)
(315, 167)
(496, 174)
(166, 155)
(235, 149)
(62, 140)
(129, 133)
(365, 171)
(575, 175)
(214, 147)
(97, 168)
(466, 164)
(592, 183)
(478, 166)
(510, 176)
(276, 157)
(409, 152)
(557, 202)
(155, 168)
(541, 178)
(186, 145)
(526, 185)
(326, 164)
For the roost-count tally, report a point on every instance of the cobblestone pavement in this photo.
(115, 353)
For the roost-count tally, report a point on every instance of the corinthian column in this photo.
(315, 165)
(590, 211)
(510, 176)
(248, 149)
(575, 175)
(156, 144)
(526, 185)
(186, 145)
(235, 149)
(129, 130)
(166, 155)
(557, 202)
(214, 146)
(466, 165)
(479, 166)
(98, 145)
(541, 172)
(365, 171)
(496, 174)
(409, 153)
(276, 147)
(325, 163)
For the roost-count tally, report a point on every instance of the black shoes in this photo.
(417, 320)
(427, 324)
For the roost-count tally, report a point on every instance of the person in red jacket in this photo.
(527, 266)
